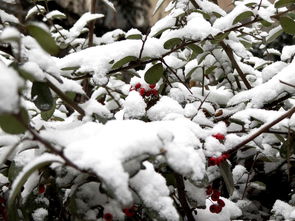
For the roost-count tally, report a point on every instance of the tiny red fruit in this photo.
(221, 202)
(152, 86)
(108, 217)
(219, 136)
(138, 85)
(142, 91)
(129, 212)
(215, 208)
(215, 195)
(209, 190)
(148, 93)
(212, 161)
(41, 189)
(154, 92)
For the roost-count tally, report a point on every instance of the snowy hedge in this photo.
(189, 121)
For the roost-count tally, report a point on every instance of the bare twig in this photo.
(91, 24)
(231, 57)
(262, 129)
(65, 98)
(249, 173)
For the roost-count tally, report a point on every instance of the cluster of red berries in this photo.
(152, 91)
(212, 161)
(218, 203)
(129, 212)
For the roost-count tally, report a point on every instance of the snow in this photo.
(35, 10)
(284, 209)
(10, 82)
(106, 147)
(94, 107)
(162, 24)
(152, 189)
(5, 17)
(9, 33)
(134, 106)
(77, 28)
(163, 107)
(55, 14)
(96, 60)
(40, 214)
(288, 52)
(267, 91)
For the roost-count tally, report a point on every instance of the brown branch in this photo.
(182, 197)
(231, 57)
(65, 98)
(261, 130)
(91, 24)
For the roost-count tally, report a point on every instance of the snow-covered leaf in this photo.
(124, 61)
(43, 38)
(171, 43)
(241, 17)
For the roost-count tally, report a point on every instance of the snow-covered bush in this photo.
(185, 122)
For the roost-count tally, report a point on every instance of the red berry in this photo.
(215, 208)
(142, 91)
(41, 189)
(108, 217)
(138, 85)
(148, 93)
(221, 202)
(218, 209)
(219, 136)
(154, 92)
(152, 86)
(219, 160)
(225, 156)
(209, 190)
(212, 161)
(215, 195)
(129, 212)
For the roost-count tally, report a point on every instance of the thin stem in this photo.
(250, 171)
(91, 24)
(235, 64)
(65, 98)
(177, 76)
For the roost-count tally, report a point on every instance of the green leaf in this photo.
(123, 61)
(196, 50)
(246, 44)
(18, 183)
(274, 35)
(74, 68)
(26, 75)
(283, 3)
(171, 43)
(11, 124)
(243, 16)
(42, 96)
(205, 15)
(227, 176)
(218, 38)
(43, 38)
(135, 36)
(188, 75)
(265, 23)
(46, 115)
(210, 70)
(154, 74)
(288, 25)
